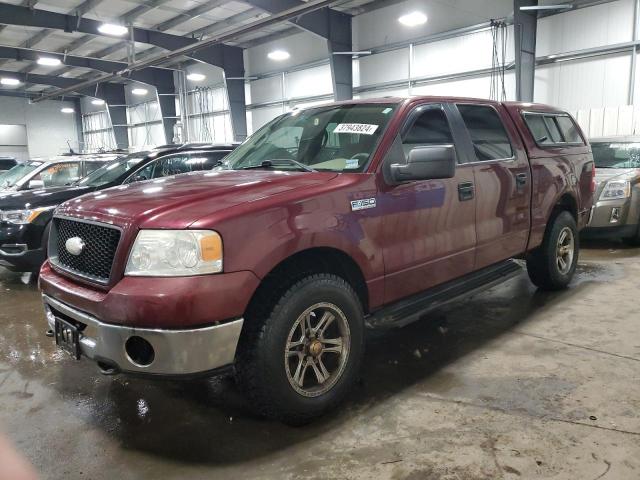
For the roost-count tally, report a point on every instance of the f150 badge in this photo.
(363, 204)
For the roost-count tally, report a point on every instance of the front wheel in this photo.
(302, 359)
(552, 265)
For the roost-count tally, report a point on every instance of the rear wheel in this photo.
(552, 265)
(301, 360)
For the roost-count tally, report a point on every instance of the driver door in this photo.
(430, 233)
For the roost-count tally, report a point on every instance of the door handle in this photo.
(465, 191)
(521, 180)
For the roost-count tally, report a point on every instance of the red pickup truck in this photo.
(325, 221)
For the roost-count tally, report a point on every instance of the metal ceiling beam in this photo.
(317, 22)
(17, 15)
(19, 54)
(204, 47)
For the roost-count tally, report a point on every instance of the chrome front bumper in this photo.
(176, 352)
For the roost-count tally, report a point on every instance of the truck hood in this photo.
(606, 174)
(177, 202)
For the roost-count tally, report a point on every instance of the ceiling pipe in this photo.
(274, 19)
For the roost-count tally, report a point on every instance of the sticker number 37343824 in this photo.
(363, 128)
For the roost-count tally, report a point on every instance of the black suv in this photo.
(25, 217)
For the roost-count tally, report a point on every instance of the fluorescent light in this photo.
(97, 101)
(278, 55)
(413, 19)
(9, 81)
(113, 29)
(67, 110)
(196, 77)
(49, 61)
(139, 91)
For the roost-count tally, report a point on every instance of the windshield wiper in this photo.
(274, 162)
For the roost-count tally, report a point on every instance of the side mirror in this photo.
(426, 163)
(35, 184)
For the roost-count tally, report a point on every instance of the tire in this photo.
(633, 241)
(270, 376)
(550, 268)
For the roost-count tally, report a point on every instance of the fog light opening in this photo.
(139, 351)
(615, 215)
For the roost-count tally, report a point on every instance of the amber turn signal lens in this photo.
(211, 247)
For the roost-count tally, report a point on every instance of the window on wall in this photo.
(146, 128)
(489, 137)
(207, 110)
(98, 132)
(549, 129)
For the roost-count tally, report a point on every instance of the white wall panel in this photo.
(582, 28)
(260, 116)
(380, 27)
(479, 87)
(395, 92)
(266, 89)
(303, 48)
(589, 83)
(459, 54)
(311, 81)
(383, 67)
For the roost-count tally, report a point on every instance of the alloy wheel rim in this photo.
(565, 249)
(317, 349)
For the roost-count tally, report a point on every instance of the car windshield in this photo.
(616, 155)
(11, 177)
(111, 171)
(332, 138)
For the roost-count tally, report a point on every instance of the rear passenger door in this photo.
(429, 224)
(502, 183)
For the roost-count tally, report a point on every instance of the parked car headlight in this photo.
(22, 217)
(616, 189)
(175, 253)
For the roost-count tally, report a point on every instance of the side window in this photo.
(430, 128)
(90, 166)
(207, 160)
(145, 173)
(538, 129)
(173, 165)
(569, 129)
(489, 137)
(59, 174)
(554, 131)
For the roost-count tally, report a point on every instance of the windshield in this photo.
(11, 177)
(616, 155)
(111, 171)
(333, 138)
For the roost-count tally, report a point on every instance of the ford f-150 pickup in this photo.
(324, 222)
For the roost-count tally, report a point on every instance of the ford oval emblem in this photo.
(75, 246)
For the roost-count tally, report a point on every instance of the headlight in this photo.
(616, 189)
(22, 217)
(175, 253)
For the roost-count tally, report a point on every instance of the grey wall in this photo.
(48, 129)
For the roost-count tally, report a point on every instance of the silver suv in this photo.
(616, 213)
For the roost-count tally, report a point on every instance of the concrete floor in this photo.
(513, 383)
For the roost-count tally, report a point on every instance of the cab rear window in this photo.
(553, 129)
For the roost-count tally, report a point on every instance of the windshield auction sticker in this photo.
(363, 128)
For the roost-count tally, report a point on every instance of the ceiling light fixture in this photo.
(49, 61)
(139, 91)
(113, 29)
(413, 19)
(196, 77)
(278, 55)
(9, 81)
(97, 101)
(67, 110)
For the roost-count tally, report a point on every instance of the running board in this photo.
(412, 308)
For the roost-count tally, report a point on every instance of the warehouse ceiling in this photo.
(192, 18)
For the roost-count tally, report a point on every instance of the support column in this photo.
(113, 95)
(232, 62)
(78, 118)
(166, 90)
(525, 26)
(340, 40)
